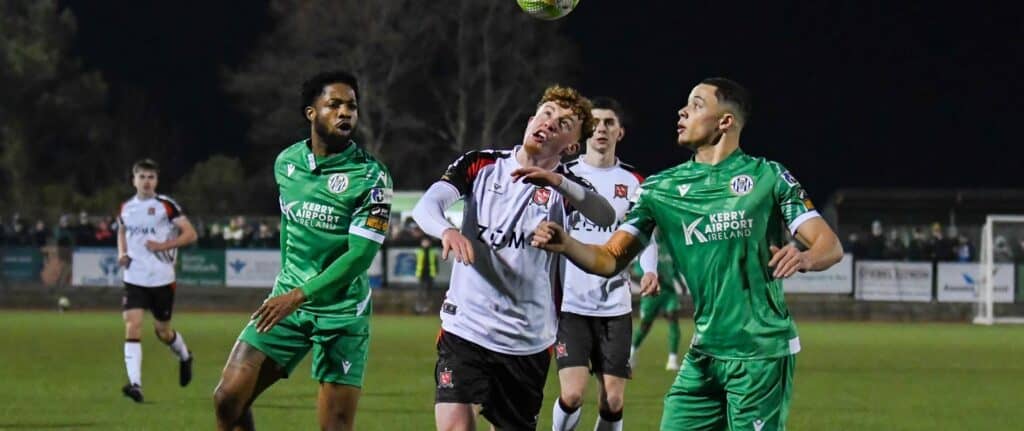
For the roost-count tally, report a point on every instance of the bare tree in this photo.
(501, 60)
(436, 78)
(380, 41)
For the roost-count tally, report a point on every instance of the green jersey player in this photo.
(721, 217)
(335, 205)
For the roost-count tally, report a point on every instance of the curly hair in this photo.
(570, 98)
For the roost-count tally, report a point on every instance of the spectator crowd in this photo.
(930, 243)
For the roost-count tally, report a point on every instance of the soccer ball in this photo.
(548, 9)
(63, 303)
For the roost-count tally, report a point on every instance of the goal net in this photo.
(996, 284)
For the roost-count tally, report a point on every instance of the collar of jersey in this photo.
(735, 158)
(590, 166)
(332, 159)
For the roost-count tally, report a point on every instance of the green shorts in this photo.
(736, 395)
(340, 345)
(667, 301)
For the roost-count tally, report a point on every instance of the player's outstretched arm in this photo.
(823, 250)
(429, 216)
(605, 260)
(338, 275)
(591, 204)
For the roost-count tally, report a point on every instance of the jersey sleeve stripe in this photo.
(366, 233)
(630, 229)
(801, 219)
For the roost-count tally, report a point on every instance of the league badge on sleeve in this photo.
(789, 179)
(380, 195)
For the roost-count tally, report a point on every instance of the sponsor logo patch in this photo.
(378, 223)
(561, 351)
(291, 169)
(449, 308)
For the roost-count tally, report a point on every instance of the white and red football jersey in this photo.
(588, 294)
(506, 300)
(144, 220)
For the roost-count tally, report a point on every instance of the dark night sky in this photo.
(859, 94)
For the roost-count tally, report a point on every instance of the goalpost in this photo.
(998, 229)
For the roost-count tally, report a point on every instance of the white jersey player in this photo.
(595, 322)
(151, 228)
(499, 316)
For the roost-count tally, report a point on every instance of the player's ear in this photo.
(572, 149)
(622, 133)
(310, 113)
(728, 120)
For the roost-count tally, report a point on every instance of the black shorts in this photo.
(599, 342)
(509, 387)
(159, 300)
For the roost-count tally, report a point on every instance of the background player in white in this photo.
(498, 318)
(595, 320)
(151, 228)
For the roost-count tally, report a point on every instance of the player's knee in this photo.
(614, 402)
(572, 398)
(227, 403)
(164, 334)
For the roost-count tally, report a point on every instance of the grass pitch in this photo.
(65, 371)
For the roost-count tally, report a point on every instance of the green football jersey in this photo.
(717, 222)
(324, 201)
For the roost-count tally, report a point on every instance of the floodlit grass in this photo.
(65, 371)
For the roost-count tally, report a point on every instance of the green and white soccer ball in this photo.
(548, 9)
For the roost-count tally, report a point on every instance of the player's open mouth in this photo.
(344, 126)
(540, 136)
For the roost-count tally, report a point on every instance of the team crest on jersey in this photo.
(621, 191)
(741, 184)
(444, 379)
(151, 211)
(541, 196)
(337, 183)
(561, 351)
(291, 169)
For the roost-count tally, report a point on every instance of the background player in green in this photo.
(335, 205)
(720, 216)
(665, 302)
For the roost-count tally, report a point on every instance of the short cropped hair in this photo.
(570, 98)
(314, 86)
(602, 102)
(731, 92)
(145, 165)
